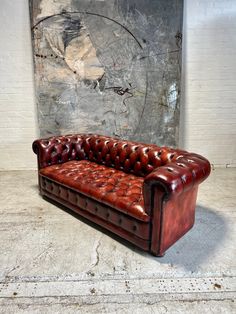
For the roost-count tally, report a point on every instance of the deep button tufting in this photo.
(89, 147)
(113, 187)
(59, 157)
(70, 174)
(190, 160)
(149, 168)
(45, 143)
(54, 152)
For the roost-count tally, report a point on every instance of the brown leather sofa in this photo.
(143, 193)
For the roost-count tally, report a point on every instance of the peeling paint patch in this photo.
(80, 56)
(172, 96)
(50, 7)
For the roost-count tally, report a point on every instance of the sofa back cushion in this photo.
(131, 157)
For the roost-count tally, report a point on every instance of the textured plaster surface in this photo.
(109, 67)
(53, 262)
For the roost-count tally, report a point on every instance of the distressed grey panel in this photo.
(110, 67)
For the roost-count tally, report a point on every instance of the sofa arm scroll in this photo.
(174, 178)
(58, 149)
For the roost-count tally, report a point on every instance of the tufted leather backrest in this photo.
(131, 157)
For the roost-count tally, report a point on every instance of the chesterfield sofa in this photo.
(141, 192)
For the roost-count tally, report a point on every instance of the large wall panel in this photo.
(111, 67)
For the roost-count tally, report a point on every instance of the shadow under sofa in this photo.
(141, 192)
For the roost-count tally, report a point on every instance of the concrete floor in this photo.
(52, 262)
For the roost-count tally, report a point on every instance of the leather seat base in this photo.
(109, 186)
(135, 231)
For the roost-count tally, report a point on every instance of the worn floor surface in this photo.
(52, 262)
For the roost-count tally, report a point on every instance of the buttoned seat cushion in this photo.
(110, 186)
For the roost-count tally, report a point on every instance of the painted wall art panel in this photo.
(110, 67)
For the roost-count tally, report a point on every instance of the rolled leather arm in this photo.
(174, 178)
(58, 149)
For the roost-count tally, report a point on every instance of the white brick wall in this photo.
(17, 107)
(208, 117)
